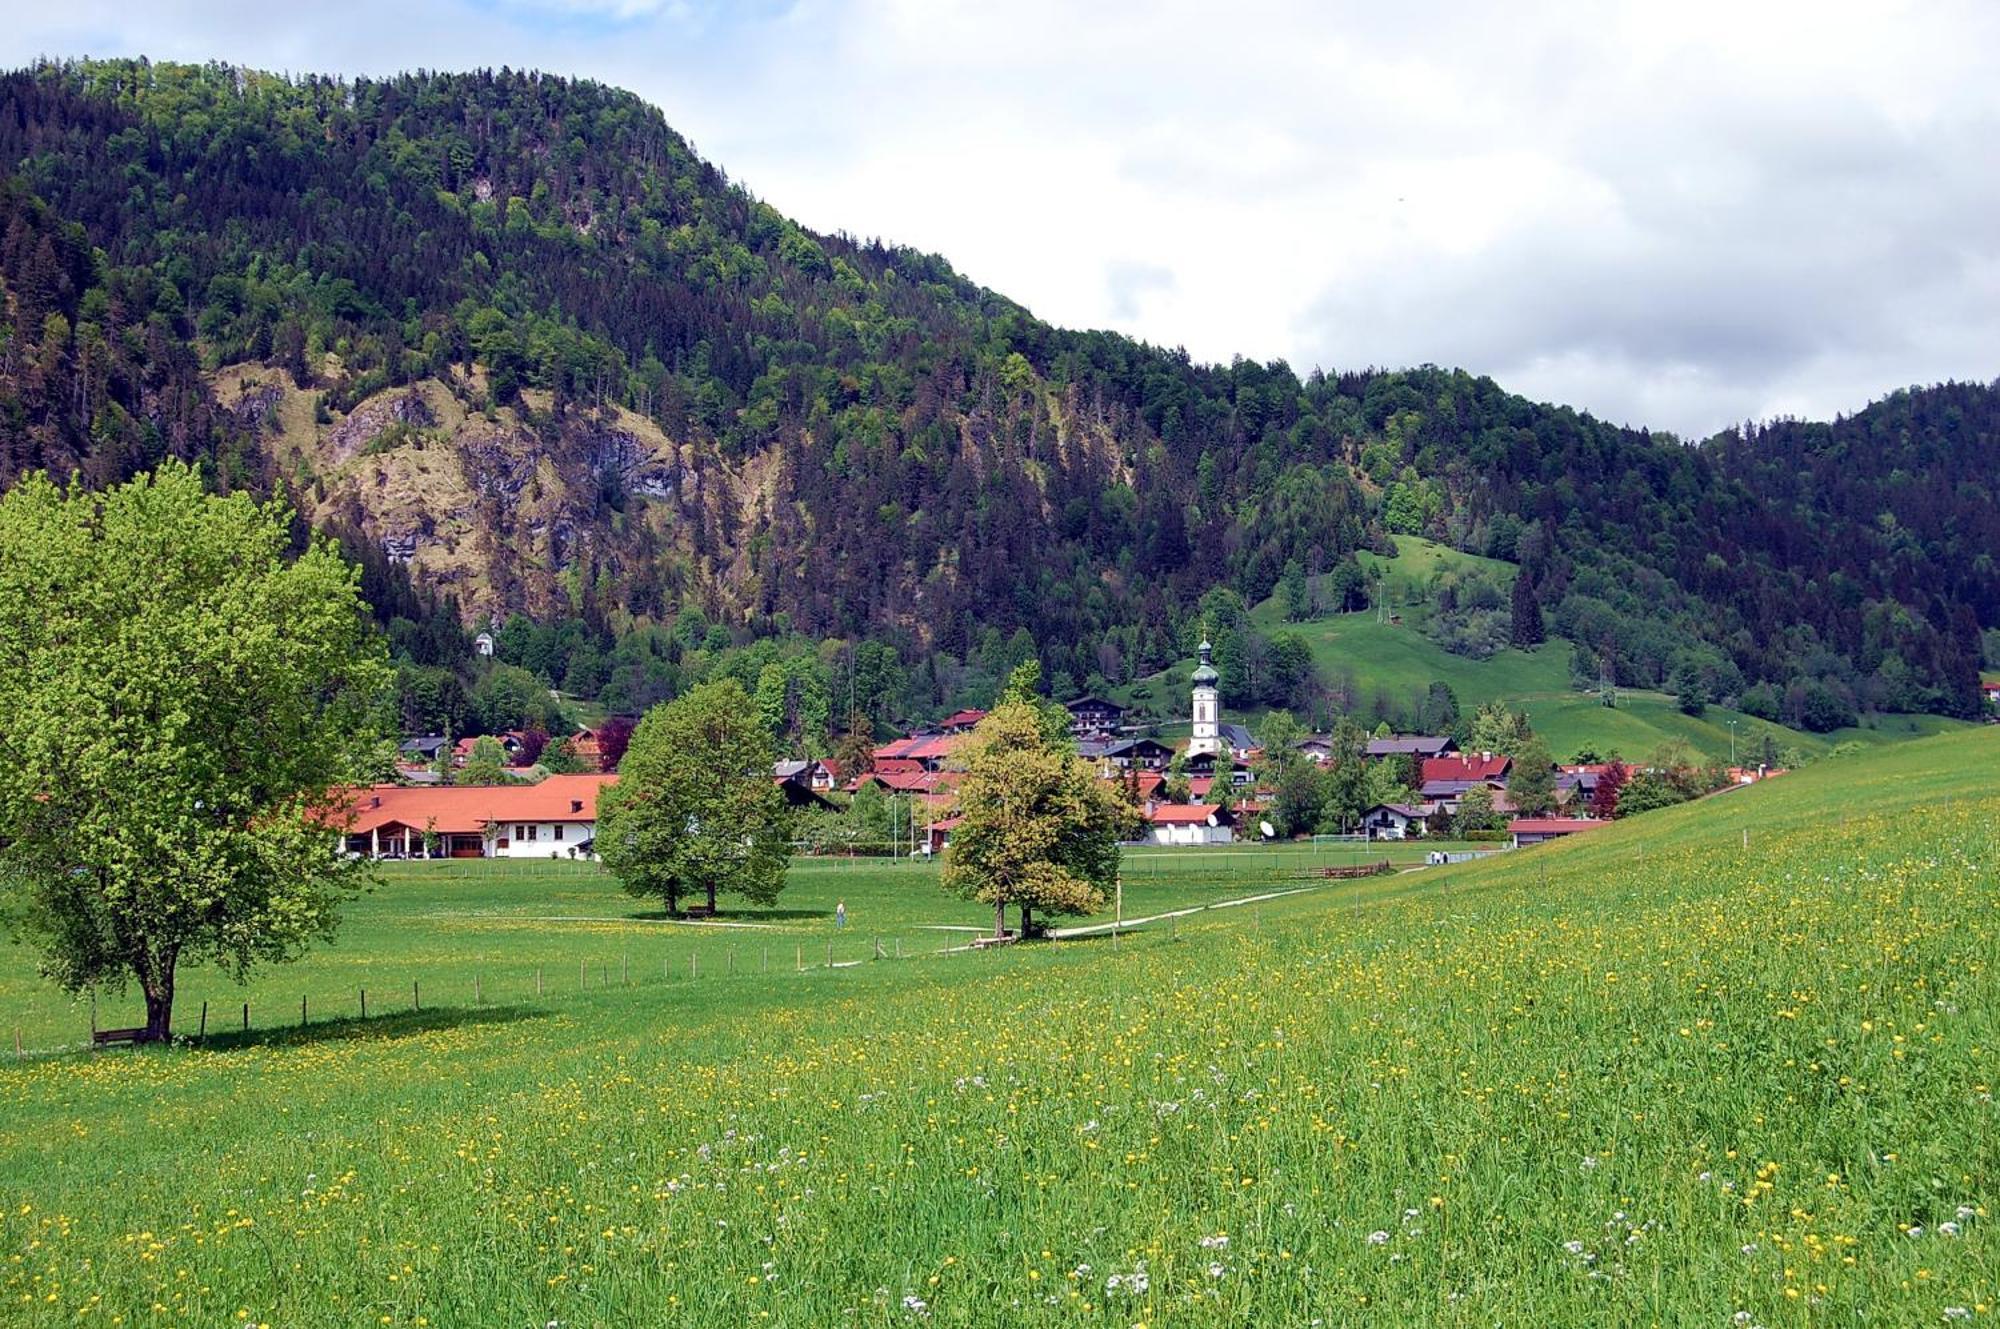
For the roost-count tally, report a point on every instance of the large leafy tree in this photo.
(180, 696)
(1532, 783)
(695, 810)
(1039, 830)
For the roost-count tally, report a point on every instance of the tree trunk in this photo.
(711, 896)
(1027, 921)
(999, 919)
(159, 990)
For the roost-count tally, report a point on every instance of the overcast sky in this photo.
(1673, 214)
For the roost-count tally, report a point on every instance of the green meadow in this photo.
(1727, 1064)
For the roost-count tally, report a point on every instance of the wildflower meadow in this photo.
(1729, 1064)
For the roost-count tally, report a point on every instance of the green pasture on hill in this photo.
(1397, 660)
(1729, 1063)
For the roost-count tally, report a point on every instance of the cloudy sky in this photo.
(1679, 215)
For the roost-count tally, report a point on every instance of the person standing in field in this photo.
(840, 914)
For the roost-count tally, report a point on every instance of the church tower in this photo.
(1206, 737)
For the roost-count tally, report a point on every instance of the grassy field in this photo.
(1732, 1063)
(445, 926)
(1398, 659)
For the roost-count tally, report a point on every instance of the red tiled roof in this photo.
(1181, 814)
(1466, 766)
(910, 782)
(920, 747)
(962, 719)
(468, 809)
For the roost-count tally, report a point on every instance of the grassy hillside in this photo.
(1658, 1075)
(1396, 659)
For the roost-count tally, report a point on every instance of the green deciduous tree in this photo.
(1039, 830)
(1475, 811)
(1495, 728)
(694, 810)
(1531, 784)
(1297, 592)
(179, 697)
(485, 764)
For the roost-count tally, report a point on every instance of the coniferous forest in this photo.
(535, 362)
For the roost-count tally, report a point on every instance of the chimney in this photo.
(375, 802)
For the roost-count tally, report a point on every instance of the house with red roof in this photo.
(1470, 767)
(554, 819)
(925, 751)
(958, 722)
(1189, 823)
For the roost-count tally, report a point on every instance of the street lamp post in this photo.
(1732, 742)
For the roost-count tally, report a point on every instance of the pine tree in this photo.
(1527, 629)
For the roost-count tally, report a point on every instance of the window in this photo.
(556, 831)
(525, 832)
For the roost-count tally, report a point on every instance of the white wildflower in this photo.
(1947, 1229)
(1218, 1242)
(1378, 1238)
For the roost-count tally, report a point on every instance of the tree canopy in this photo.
(1038, 829)
(180, 697)
(694, 811)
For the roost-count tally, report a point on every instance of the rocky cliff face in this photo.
(505, 509)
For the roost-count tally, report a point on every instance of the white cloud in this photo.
(1674, 215)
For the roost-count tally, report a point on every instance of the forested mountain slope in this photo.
(511, 332)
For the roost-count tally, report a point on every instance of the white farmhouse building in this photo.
(1190, 823)
(554, 819)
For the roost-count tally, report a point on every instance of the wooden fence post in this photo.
(829, 955)
(799, 958)
(694, 964)
(201, 1039)
(732, 960)
(416, 995)
(302, 1010)
(246, 1017)
(767, 960)
(625, 969)
(364, 1003)
(583, 975)
(17, 1041)
(538, 982)
(477, 999)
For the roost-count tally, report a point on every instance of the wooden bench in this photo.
(106, 1037)
(697, 911)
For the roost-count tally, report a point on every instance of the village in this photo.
(1217, 786)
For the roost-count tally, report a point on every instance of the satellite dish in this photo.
(1270, 831)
